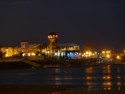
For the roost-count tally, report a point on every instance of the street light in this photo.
(118, 57)
(108, 56)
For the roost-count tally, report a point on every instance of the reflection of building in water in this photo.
(106, 69)
(112, 78)
(91, 78)
(107, 83)
(89, 70)
(106, 77)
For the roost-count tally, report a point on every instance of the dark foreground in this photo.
(53, 90)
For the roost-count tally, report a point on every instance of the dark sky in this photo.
(97, 22)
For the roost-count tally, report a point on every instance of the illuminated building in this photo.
(69, 50)
(9, 51)
(52, 43)
(24, 44)
(106, 53)
(29, 49)
(50, 49)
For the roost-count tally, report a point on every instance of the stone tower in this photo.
(52, 42)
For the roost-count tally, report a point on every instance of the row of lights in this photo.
(87, 54)
(105, 53)
(29, 54)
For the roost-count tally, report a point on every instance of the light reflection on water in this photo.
(92, 77)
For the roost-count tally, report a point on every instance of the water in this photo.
(104, 77)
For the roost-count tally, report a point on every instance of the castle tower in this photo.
(52, 42)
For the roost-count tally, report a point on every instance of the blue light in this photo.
(68, 54)
(72, 54)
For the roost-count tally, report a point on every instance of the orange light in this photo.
(108, 56)
(118, 57)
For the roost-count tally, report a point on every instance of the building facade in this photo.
(51, 49)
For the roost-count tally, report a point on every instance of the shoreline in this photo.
(26, 64)
(53, 90)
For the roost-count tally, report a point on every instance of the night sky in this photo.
(97, 22)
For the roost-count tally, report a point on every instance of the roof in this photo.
(52, 33)
(67, 44)
(23, 41)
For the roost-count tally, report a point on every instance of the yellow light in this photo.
(83, 55)
(6, 55)
(109, 83)
(107, 52)
(104, 88)
(33, 54)
(118, 88)
(109, 88)
(90, 53)
(108, 56)
(106, 77)
(87, 52)
(29, 54)
(124, 51)
(79, 53)
(118, 77)
(103, 52)
(118, 57)
(118, 83)
(89, 78)
(23, 54)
